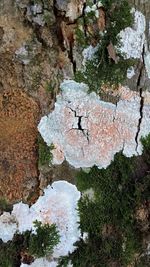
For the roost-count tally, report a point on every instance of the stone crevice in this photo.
(140, 118)
(79, 124)
(140, 88)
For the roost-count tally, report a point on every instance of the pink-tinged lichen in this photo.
(87, 131)
(58, 205)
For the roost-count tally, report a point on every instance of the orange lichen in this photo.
(18, 157)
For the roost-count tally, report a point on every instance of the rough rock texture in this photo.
(87, 131)
(29, 62)
(37, 49)
(72, 8)
(18, 150)
(57, 205)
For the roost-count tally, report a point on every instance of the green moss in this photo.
(50, 86)
(40, 244)
(10, 252)
(4, 205)
(146, 146)
(49, 18)
(102, 69)
(43, 242)
(44, 151)
(114, 234)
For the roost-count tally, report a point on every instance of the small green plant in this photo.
(45, 155)
(49, 87)
(4, 205)
(39, 244)
(10, 252)
(146, 147)
(114, 233)
(48, 18)
(44, 240)
(106, 70)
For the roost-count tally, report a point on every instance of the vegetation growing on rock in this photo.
(116, 220)
(108, 65)
(42, 242)
(45, 155)
(37, 245)
(4, 205)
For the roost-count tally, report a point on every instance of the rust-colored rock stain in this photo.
(18, 151)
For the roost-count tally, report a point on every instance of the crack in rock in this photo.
(139, 87)
(108, 128)
(140, 119)
(79, 124)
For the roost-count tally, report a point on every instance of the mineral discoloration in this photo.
(87, 131)
(18, 157)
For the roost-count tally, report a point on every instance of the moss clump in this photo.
(105, 73)
(10, 252)
(38, 245)
(146, 146)
(44, 151)
(4, 205)
(102, 69)
(114, 233)
(50, 86)
(42, 243)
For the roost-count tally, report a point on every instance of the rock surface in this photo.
(87, 131)
(18, 119)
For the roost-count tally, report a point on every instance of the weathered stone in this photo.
(62, 4)
(18, 119)
(72, 8)
(28, 51)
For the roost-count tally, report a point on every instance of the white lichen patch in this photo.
(93, 7)
(89, 193)
(23, 55)
(58, 205)
(8, 226)
(147, 63)
(132, 39)
(130, 72)
(42, 262)
(89, 131)
(89, 53)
